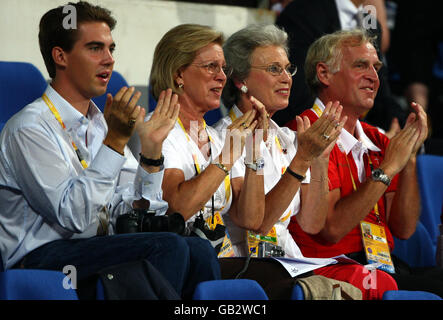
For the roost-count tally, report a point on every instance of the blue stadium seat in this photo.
(237, 289)
(297, 293)
(19, 284)
(115, 84)
(409, 295)
(31, 284)
(430, 179)
(419, 250)
(20, 84)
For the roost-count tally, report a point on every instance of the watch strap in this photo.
(223, 167)
(152, 162)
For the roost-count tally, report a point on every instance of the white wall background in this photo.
(140, 25)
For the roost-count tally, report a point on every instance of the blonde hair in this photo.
(178, 49)
(328, 49)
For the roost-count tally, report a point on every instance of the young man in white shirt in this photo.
(66, 171)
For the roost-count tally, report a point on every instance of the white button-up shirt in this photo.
(46, 195)
(347, 12)
(275, 162)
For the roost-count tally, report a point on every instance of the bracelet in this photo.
(223, 167)
(295, 175)
(152, 162)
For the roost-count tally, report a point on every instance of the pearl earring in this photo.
(244, 89)
(180, 85)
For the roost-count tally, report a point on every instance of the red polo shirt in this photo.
(340, 177)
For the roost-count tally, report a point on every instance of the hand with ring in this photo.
(319, 138)
(122, 115)
(236, 135)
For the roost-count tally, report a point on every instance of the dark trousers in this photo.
(270, 274)
(183, 261)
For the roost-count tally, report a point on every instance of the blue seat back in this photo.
(409, 295)
(236, 289)
(18, 284)
(430, 179)
(419, 250)
(20, 84)
(297, 293)
(116, 82)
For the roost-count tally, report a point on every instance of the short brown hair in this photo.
(52, 33)
(178, 49)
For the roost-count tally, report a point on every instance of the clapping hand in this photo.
(153, 132)
(236, 135)
(319, 138)
(407, 142)
(121, 115)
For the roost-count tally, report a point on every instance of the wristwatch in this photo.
(258, 164)
(379, 175)
(152, 162)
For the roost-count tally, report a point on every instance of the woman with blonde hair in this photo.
(189, 60)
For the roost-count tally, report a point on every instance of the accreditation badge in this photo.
(376, 246)
(254, 239)
(226, 250)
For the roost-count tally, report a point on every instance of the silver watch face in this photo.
(260, 162)
(379, 175)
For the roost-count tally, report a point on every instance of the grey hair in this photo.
(328, 49)
(238, 51)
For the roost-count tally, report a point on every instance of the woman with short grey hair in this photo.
(238, 50)
(262, 74)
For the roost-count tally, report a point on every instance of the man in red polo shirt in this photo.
(373, 184)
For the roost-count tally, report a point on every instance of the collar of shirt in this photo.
(347, 143)
(78, 126)
(72, 117)
(347, 12)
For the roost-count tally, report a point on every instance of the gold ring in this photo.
(131, 122)
(325, 136)
(244, 125)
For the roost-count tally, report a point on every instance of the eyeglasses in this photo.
(214, 68)
(276, 70)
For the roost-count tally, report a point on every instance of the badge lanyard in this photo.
(280, 150)
(59, 119)
(197, 167)
(102, 215)
(227, 249)
(254, 239)
(376, 211)
(374, 236)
